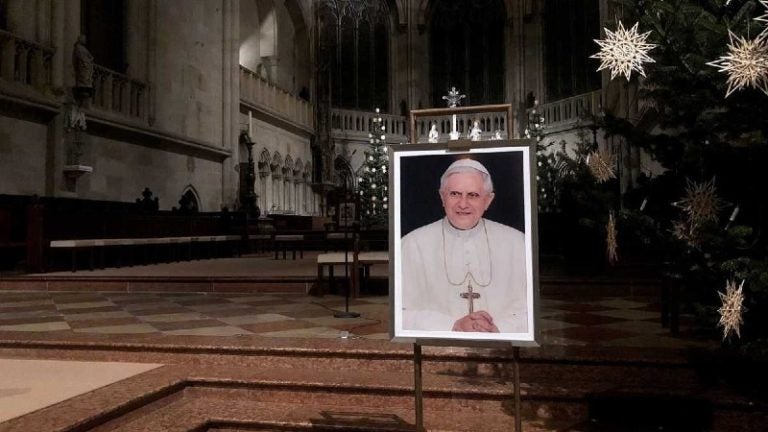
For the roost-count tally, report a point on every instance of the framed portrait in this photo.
(463, 255)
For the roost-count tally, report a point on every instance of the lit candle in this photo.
(733, 214)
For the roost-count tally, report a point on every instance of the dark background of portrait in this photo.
(420, 180)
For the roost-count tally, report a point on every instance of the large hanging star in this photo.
(611, 243)
(623, 51)
(746, 63)
(732, 309)
(701, 202)
(764, 18)
(601, 166)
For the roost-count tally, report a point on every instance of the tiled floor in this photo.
(600, 321)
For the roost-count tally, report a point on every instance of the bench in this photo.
(175, 245)
(285, 242)
(335, 240)
(360, 263)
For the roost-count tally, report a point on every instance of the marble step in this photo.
(572, 369)
(167, 393)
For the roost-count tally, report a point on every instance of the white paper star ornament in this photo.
(746, 63)
(764, 17)
(732, 309)
(623, 51)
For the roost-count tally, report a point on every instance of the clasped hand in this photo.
(480, 321)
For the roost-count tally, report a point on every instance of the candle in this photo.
(250, 124)
(642, 206)
(733, 214)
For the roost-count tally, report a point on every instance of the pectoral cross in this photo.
(470, 296)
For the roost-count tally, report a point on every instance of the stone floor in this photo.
(621, 320)
(220, 348)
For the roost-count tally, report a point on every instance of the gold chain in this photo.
(468, 274)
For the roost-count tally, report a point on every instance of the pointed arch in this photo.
(298, 168)
(466, 44)
(277, 162)
(264, 160)
(356, 36)
(345, 173)
(190, 200)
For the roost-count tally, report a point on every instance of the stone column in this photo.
(230, 99)
(514, 83)
(151, 60)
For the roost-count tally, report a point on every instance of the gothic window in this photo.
(570, 27)
(467, 50)
(103, 24)
(354, 48)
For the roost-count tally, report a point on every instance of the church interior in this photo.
(196, 221)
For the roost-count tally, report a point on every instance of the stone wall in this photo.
(188, 91)
(122, 170)
(22, 157)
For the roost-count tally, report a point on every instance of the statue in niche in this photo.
(147, 202)
(433, 134)
(82, 60)
(75, 118)
(474, 133)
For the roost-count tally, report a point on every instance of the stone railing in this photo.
(489, 123)
(356, 124)
(118, 93)
(570, 110)
(274, 100)
(25, 62)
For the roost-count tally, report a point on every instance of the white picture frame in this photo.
(415, 202)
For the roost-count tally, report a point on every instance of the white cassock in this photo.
(491, 255)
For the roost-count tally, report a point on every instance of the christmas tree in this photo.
(706, 122)
(373, 178)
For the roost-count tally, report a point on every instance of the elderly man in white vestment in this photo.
(464, 273)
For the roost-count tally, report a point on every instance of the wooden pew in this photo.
(101, 228)
(12, 230)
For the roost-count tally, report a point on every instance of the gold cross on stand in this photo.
(470, 296)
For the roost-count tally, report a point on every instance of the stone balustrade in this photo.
(489, 123)
(118, 93)
(570, 110)
(259, 92)
(25, 62)
(357, 124)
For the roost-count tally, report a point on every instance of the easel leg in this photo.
(417, 385)
(516, 379)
